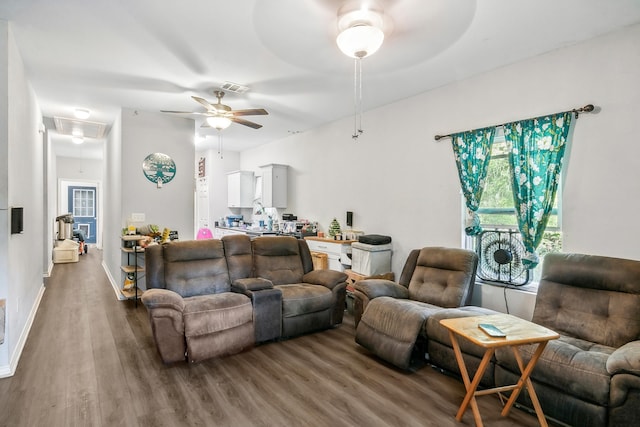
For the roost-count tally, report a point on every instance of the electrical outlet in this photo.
(137, 217)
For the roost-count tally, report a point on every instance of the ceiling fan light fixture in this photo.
(218, 122)
(360, 40)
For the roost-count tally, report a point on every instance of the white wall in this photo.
(50, 204)
(21, 275)
(76, 169)
(171, 206)
(216, 171)
(398, 181)
(112, 224)
(133, 137)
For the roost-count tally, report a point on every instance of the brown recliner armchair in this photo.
(194, 315)
(391, 316)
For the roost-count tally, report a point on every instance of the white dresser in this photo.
(338, 251)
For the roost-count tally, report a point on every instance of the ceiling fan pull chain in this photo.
(355, 99)
(360, 96)
(220, 144)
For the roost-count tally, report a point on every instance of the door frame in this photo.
(63, 201)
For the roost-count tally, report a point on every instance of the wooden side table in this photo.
(518, 332)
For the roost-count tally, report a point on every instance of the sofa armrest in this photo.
(163, 298)
(326, 278)
(625, 359)
(267, 306)
(374, 288)
(624, 394)
(251, 284)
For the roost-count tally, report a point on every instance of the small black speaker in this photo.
(17, 223)
(350, 218)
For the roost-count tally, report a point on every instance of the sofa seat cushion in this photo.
(207, 314)
(576, 366)
(302, 298)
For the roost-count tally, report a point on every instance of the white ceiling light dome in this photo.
(361, 31)
(219, 122)
(360, 41)
(82, 113)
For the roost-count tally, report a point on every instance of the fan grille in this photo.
(500, 255)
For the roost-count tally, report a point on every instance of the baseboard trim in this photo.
(8, 371)
(49, 270)
(115, 285)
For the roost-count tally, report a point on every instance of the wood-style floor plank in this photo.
(90, 360)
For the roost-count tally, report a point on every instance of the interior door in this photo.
(83, 206)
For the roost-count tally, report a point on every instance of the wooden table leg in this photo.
(526, 381)
(470, 386)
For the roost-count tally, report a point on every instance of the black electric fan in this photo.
(500, 254)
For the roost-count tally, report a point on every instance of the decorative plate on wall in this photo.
(159, 168)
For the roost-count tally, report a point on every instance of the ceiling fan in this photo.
(220, 116)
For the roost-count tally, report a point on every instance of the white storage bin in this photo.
(370, 260)
(66, 251)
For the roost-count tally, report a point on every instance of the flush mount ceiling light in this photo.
(361, 35)
(77, 137)
(82, 113)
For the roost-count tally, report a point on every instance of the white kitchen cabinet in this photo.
(240, 189)
(274, 186)
(338, 251)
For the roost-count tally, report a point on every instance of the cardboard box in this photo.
(370, 260)
(66, 251)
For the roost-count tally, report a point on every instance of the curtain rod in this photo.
(586, 109)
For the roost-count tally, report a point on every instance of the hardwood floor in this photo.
(90, 361)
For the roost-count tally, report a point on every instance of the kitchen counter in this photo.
(329, 240)
(253, 232)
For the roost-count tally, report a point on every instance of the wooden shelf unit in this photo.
(131, 266)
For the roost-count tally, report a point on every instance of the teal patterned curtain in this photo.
(537, 149)
(472, 151)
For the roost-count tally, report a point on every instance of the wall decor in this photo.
(159, 168)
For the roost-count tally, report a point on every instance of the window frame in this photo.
(470, 242)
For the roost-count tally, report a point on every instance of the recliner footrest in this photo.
(390, 327)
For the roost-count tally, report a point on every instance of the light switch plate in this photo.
(137, 217)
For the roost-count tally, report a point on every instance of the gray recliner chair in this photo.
(311, 299)
(391, 316)
(194, 315)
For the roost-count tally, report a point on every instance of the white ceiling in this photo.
(153, 55)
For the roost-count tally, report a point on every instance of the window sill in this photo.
(531, 288)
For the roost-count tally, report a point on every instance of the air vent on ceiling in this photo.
(66, 126)
(234, 87)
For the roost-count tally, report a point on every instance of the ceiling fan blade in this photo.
(184, 112)
(245, 122)
(250, 112)
(204, 102)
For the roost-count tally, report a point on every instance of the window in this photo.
(497, 209)
(83, 203)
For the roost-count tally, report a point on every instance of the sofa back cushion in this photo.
(196, 267)
(277, 259)
(443, 276)
(237, 249)
(590, 297)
